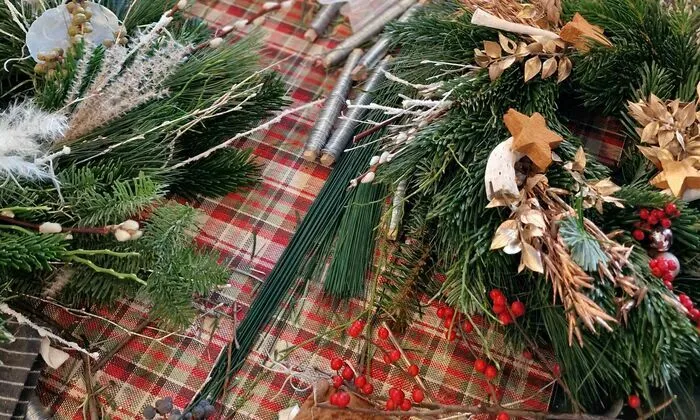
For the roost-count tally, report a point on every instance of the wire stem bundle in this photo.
(331, 109)
(343, 134)
(378, 50)
(321, 21)
(366, 32)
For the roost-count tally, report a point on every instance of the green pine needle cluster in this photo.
(130, 165)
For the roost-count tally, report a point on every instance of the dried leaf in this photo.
(534, 217)
(513, 247)
(481, 58)
(685, 117)
(531, 258)
(549, 46)
(532, 67)
(528, 11)
(522, 50)
(549, 67)
(666, 137)
(579, 33)
(657, 108)
(507, 44)
(507, 62)
(506, 233)
(636, 110)
(493, 49)
(650, 132)
(579, 160)
(535, 48)
(564, 69)
(495, 71)
(606, 187)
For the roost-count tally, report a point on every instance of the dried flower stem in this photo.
(321, 21)
(34, 226)
(396, 210)
(331, 109)
(482, 18)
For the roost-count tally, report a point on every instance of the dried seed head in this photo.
(130, 225)
(122, 235)
(369, 177)
(7, 213)
(216, 42)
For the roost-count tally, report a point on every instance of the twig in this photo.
(321, 21)
(264, 126)
(91, 404)
(657, 409)
(374, 129)
(418, 380)
(33, 226)
(542, 359)
(120, 345)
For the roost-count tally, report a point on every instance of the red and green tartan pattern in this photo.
(250, 230)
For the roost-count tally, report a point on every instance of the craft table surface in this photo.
(265, 218)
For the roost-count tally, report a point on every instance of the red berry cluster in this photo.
(450, 317)
(397, 399)
(693, 312)
(340, 399)
(356, 328)
(345, 373)
(663, 268)
(490, 371)
(500, 307)
(652, 218)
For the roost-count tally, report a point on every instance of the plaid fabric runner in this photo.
(251, 229)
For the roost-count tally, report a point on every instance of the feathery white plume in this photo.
(26, 134)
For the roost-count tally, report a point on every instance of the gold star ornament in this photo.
(532, 137)
(678, 176)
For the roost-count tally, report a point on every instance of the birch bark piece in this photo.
(322, 20)
(500, 170)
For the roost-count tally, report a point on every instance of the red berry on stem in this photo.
(643, 214)
(662, 265)
(449, 312)
(397, 395)
(390, 405)
(383, 333)
(500, 300)
(671, 209)
(556, 369)
(672, 266)
(634, 401)
(518, 308)
(343, 399)
(447, 323)
(368, 389)
(467, 326)
(668, 277)
(653, 220)
(441, 312)
(694, 314)
(527, 354)
(491, 372)
(480, 365)
(498, 309)
(334, 399)
(668, 285)
(395, 355)
(354, 332)
(502, 416)
(406, 404)
(360, 381)
(638, 235)
(656, 272)
(413, 370)
(451, 335)
(336, 363)
(505, 318)
(494, 293)
(418, 395)
(665, 223)
(653, 263)
(337, 381)
(387, 358)
(347, 373)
